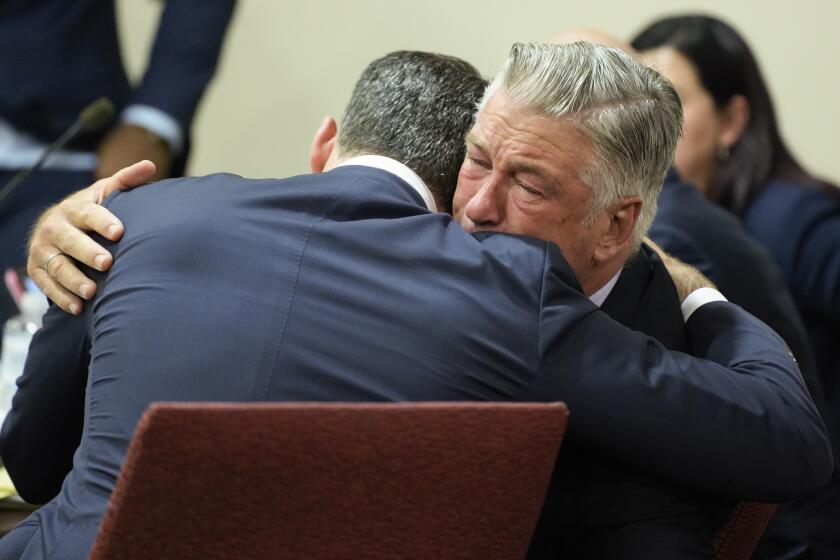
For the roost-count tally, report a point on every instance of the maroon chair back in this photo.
(738, 538)
(411, 480)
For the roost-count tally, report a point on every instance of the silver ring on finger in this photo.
(47, 264)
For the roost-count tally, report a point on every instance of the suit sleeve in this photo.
(184, 57)
(738, 423)
(44, 427)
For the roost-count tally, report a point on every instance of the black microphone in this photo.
(94, 116)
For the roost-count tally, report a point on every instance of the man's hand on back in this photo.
(62, 234)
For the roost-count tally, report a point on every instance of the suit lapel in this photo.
(628, 291)
(644, 299)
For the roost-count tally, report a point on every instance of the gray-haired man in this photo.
(578, 158)
(498, 316)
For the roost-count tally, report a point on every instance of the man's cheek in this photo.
(462, 195)
(457, 208)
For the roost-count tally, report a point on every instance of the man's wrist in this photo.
(157, 122)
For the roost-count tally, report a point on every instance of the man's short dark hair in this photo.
(415, 107)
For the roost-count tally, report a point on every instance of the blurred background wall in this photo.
(288, 64)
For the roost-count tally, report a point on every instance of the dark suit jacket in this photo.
(601, 508)
(59, 55)
(341, 287)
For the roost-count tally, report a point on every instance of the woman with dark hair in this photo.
(732, 150)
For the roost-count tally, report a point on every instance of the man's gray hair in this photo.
(630, 113)
(415, 107)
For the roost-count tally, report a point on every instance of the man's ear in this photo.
(323, 145)
(623, 216)
(735, 115)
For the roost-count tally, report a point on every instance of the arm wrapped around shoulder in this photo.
(798, 443)
(739, 423)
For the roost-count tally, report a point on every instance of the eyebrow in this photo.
(517, 166)
(472, 139)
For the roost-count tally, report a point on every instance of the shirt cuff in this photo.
(156, 121)
(699, 298)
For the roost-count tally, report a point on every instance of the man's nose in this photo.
(486, 208)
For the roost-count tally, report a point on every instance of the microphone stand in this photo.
(92, 117)
(24, 174)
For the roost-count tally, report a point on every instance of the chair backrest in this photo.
(409, 480)
(738, 538)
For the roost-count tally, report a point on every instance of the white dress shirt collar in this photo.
(599, 297)
(400, 170)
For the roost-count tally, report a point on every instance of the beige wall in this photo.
(287, 64)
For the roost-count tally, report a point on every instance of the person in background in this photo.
(59, 56)
(733, 151)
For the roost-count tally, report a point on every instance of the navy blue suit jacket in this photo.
(59, 55)
(342, 287)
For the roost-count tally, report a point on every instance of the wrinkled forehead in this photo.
(505, 127)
